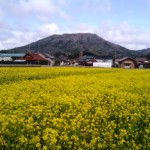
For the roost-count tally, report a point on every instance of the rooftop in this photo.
(35, 57)
(12, 54)
(122, 59)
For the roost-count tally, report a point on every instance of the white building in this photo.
(102, 64)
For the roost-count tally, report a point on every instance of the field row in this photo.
(74, 108)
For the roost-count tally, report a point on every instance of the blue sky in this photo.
(124, 22)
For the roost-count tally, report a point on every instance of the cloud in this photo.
(123, 34)
(25, 21)
(28, 9)
(103, 6)
(48, 29)
(19, 38)
(1, 15)
(82, 28)
(64, 3)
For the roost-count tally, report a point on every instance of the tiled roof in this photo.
(84, 58)
(35, 57)
(141, 59)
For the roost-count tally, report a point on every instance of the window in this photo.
(126, 65)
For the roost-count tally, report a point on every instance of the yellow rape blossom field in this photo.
(74, 109)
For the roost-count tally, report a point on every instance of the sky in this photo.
(124, 22)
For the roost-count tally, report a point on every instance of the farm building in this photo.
(104, 59)
(102, 64)
(127, 63)
(10, 56)
(37, 58)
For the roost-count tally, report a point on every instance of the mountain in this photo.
(71, 45)
(145, 51)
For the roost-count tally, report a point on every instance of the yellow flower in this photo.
(38, 145)
(44, 147)
(74, 108)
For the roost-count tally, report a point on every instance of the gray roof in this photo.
(12, 54)
(88, 57)
(141, 59)
(84, 58)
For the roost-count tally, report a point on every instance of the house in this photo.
(85, 60)
(143, 62)
(10, 56)
(36, 58)
(90, 62)
(96, 61)
(127, 62)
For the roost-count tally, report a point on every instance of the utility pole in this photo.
(115, 57)
(38, 53)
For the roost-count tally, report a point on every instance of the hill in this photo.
(145, 51)
(71, 44)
